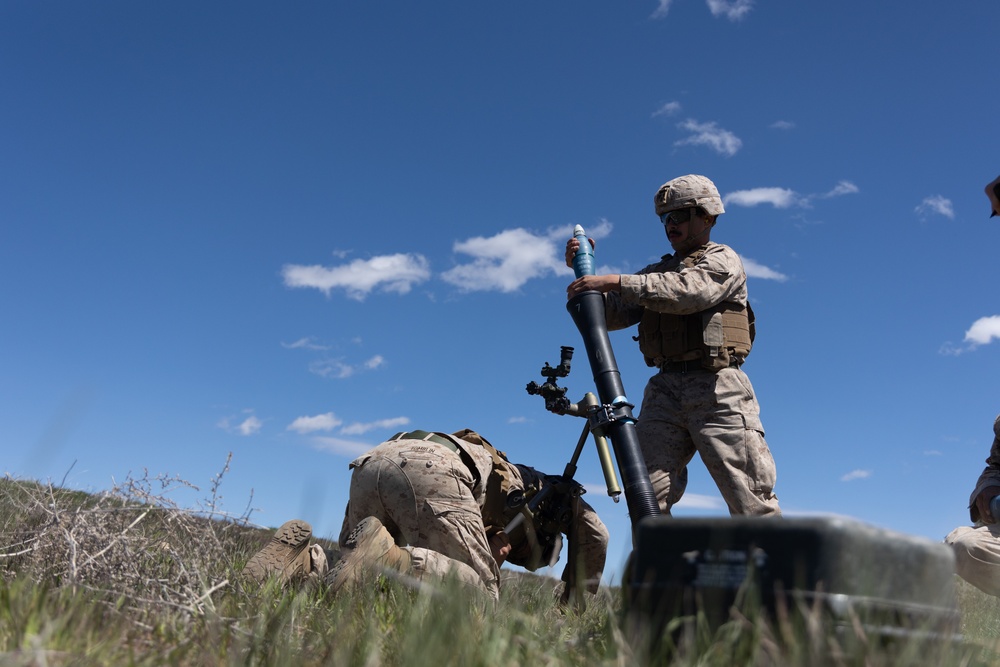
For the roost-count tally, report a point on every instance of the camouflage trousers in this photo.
(422, 492)
(977, 555)
(717, 416)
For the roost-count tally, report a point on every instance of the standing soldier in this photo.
(696, 327)
(428, 505)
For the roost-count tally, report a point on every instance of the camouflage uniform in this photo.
(435, 501)
(687, 410)
(977, 548)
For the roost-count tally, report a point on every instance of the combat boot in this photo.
(286, 556)
(372, 551)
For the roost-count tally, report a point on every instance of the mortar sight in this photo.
(562, 370)
(554, 395)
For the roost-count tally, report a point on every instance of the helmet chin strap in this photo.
(691, 241)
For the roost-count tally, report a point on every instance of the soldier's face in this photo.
(690, 233)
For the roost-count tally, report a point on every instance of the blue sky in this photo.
(290, 232)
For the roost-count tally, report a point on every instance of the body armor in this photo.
(719, 337)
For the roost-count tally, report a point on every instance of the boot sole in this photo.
(290, 540)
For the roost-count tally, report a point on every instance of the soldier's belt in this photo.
(692, 365)
(426, 435)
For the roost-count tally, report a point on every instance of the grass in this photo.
(128, 578)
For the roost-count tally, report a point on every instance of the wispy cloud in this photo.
(249, 425)
(784, 197)
(304, 344)
(339, 369)
(668, 109)
(734, 10)
(709, 134)
(340, 446)
(360, 428)
(856, 474)
(982, 332)
(840, 189)
(662, 9)
(324, 422)
(388, 273)
(755, 270)
(936, 205)
(782, 125)
(328, 421)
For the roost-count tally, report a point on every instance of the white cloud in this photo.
(358, 428)
(983, 331)
(841, 188)
(755, 270)
(517, 420)
(776, 197)
(304, 344)
(338, 369)
(668, 109)
(856, 474)
(782, 125)
(938, 205)
(734, 10)
(339, 446)
(249, 426)
(784, 197)
(388, 273)
(331, 368)
(505, 261)
(324, 422)
(662, 7)
(375, 362)
(709, 134)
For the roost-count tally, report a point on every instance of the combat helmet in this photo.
(688, 191)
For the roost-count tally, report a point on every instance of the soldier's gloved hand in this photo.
(983, 503)
(499, 546)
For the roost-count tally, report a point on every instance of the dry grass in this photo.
(129, 577)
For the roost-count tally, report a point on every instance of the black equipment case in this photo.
(851, 572)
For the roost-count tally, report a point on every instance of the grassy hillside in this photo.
(128, 578)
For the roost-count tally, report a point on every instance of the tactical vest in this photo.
(714, 336)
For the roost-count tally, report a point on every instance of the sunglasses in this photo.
(678, 216)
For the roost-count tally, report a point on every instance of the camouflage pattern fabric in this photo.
(715, 414)
(423, 493)
(430, 501)
(977, 555)
(990, 475)
(977, 548)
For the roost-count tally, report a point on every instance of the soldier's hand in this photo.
(983, 503)
(572, 246)
(499, 546)
(603, 284)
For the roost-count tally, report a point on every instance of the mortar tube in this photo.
(587, 310)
